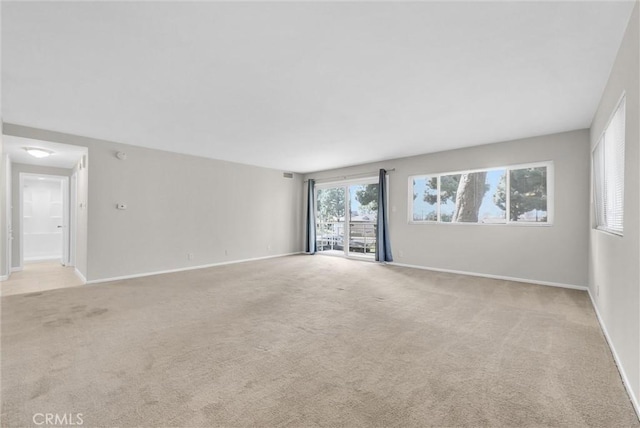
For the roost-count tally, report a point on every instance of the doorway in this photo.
(48, 243)
(346, 218)
(44, 205)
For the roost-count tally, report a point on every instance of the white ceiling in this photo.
(305, 86)
(63, 156)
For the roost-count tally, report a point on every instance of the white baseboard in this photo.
(80, 275)
(139, 275)
(485, 275)
(16, 269)
(623, 374)
(4, 277)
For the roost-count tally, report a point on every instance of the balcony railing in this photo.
(362, 237)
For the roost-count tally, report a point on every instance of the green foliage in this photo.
(528, 192)
(500, 197)
(331, 201)
(448, 189)
(465, 191)
(331, 204)
(367, 195)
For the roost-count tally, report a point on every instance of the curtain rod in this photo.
(346, 177)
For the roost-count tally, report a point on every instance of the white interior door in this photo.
(44, 206)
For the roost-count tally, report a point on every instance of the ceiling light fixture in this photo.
(38, 153)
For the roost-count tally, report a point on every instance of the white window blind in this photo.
(608, 167)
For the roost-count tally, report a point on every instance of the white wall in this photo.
(614, 261)
(554, 254)
(177, 204)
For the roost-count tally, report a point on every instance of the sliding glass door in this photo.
(346, 218)
(330, 214)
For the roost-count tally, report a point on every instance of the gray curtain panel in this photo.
(311, 218)
(383, 244)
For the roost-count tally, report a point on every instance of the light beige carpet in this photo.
(309, 341)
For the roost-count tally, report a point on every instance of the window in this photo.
(528, 194)
(427, 189)
(483, 196)
(608, 174)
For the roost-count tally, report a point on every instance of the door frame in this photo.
(347, 217)
(8, 215)
(73, 217)
(66, 241)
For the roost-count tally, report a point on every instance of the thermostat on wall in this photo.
(121, 206)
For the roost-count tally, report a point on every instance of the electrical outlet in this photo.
(226, 252)
(400, 253)
(597, 291)
(190, 256)
(269, 247)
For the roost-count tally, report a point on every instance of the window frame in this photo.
(601, 140)
(550, 195)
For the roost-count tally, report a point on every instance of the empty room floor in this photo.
(39, 276)
(310, 341)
